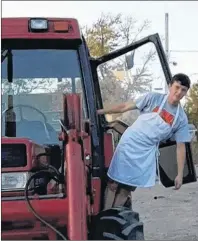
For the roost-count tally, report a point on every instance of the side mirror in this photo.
(129, 57)
(192, 130)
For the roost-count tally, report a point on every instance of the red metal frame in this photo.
(76, 171)
(17, 211)
(17, 28)
(108, 148)
(73, 210)
(76, 189)
(96, 187)
(32, 149)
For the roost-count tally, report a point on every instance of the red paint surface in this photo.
(108, 148)
(32, 149)
(76, 189)
(96, 185)
(76, 172)
(17, 211)
(17, 28)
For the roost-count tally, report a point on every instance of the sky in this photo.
(183, 19)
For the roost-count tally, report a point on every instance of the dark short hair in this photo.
(182, 78)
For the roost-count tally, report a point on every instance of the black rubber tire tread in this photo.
(120, 223)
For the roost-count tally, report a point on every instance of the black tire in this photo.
(119, 223)
(128, 203)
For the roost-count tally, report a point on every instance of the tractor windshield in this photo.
(33, 83)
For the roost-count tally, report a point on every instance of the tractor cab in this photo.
(55, 148)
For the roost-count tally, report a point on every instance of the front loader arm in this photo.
(74, 166)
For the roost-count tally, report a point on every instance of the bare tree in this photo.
(131, 30)
(26, 86)
(108, 33)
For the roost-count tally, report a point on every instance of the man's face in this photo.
(177, 91)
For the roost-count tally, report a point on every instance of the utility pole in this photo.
(167, 35)
(166, 44)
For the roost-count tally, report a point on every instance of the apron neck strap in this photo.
(162, 104)
(176, 116)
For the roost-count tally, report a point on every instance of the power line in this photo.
(184, 51)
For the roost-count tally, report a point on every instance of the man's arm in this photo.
(181, 157)
(139, 103)
(121, 108)
(181, 136)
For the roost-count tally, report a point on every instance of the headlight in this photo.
(14, 181)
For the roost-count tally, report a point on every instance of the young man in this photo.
(134, 161)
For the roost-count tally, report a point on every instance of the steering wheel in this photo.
(31, 107)
(25, 106)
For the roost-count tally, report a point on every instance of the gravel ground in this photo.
(172, 216)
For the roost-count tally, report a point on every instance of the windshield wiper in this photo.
(4, 54)
(10, 116)
(10, 67)
(8, 54)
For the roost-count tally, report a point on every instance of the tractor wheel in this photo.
(128, 203)
(118, 223)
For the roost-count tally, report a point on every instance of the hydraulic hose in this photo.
(28, 201)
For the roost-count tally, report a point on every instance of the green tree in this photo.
(110, 31)
(191, 109)
(103, 35)
(191, 106)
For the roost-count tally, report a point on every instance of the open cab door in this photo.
(168, 164)
(124, 74)
(167, 159)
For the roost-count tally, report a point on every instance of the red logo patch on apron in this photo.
(165, 115)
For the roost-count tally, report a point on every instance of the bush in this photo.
(195, 152)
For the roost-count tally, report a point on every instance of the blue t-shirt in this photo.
(151, 103)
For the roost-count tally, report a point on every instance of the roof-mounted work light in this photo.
(38, 25)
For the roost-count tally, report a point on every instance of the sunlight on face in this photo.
(177, 91)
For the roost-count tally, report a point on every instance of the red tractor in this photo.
(55, 148)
